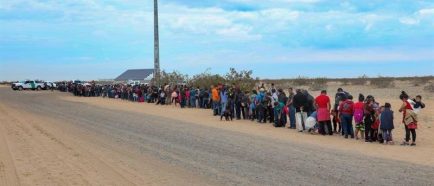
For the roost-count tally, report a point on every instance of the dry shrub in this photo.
(361, 80)
(429, 87)
(420, 81)
(345, 81)
(383, 82)
(301, 81)
(318, 84)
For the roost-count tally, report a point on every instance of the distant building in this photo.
(136, 75)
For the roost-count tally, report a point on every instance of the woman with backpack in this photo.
(409, 118)
(346, 110)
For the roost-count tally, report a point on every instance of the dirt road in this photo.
(48, 139)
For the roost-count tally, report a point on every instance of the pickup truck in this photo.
(49, 85)
(28, 84)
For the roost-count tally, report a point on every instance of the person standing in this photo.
(369, 118)
(223, 100)
(386, 121)
(291, 108)
(261, 108)
(192, 100)
(358, 116)
(346, 110)
(206, 99)
(409, 118)
(252, 105)
(215, 96)
(323, 106)
(238, 94)
(300, 101)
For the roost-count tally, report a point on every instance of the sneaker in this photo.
(413, 144)
(404, 143)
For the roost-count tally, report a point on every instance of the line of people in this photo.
(295, 109)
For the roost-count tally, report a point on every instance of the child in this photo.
(358, 116)
(280, 111)
(227, 113)
(376, 134)
(336, 122)
(418, 105)
(312, 123)
(386, 121)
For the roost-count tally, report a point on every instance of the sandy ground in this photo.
(35, 150)
(420, 155)
(56, 139)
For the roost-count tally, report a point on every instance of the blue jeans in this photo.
(223, 107)
(193, 102)
(216, 108)
(347, 124)
(279, 118)
(387, 135)
(260, 109)
(205, 103)
(291, 116)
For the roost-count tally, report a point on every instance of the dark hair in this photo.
(419, 96)
(361, 97)
(340, 89)
(323, 91)
(403, 95)
(387, 105)
(350, 97)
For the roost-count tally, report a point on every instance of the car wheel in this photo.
(20, 88)
(38, 88)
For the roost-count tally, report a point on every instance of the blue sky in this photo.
(90, 39)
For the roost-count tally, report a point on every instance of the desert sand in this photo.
(422, 154)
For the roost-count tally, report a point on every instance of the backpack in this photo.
(347, 106)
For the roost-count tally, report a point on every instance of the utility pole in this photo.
(156, 45)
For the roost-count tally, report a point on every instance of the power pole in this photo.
(156, 45)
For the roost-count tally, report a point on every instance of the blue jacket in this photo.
(387, 119)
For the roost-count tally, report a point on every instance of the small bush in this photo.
(345, 81)
(362, 80)
(383, 82)
(419, 81)
(301, 81)
(429, 88)
(318, 84)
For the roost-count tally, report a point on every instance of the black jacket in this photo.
(299, 100)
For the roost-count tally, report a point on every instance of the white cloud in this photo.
(426, 12)
(409, 21)
(418, 17)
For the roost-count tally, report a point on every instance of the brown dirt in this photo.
(420, 155)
